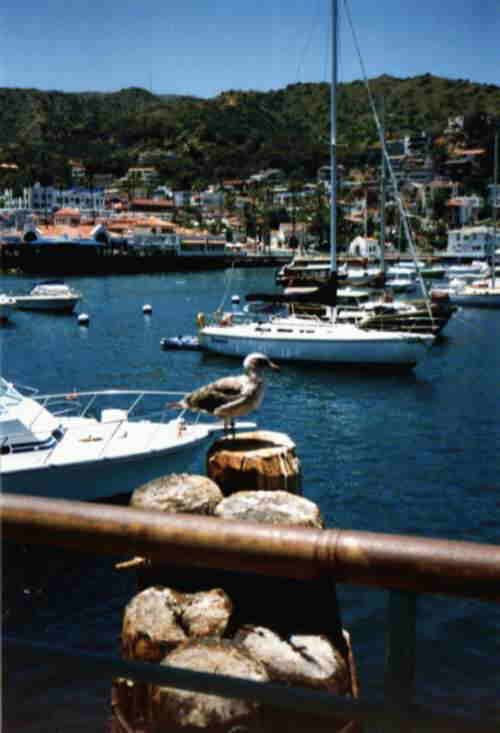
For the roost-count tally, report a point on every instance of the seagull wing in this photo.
(217, 394)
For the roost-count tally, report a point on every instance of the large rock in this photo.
(178, 493)
(158, 619)
(308, 660)
(273, 507)
(175, 709)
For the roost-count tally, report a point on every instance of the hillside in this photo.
(233, 134)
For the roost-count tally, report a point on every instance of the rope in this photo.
(228, 279)
(401, 208)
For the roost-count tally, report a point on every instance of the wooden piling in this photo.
(261, 460)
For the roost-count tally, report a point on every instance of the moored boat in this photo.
(50, 295)
(90, 445)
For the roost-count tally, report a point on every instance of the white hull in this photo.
(326, 344)
(61, 455)
(89, 480)
(33, 303)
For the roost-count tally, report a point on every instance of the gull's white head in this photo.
(256, 361)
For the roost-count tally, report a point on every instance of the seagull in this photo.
(231, 397)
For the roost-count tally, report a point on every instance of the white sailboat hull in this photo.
(326, 344)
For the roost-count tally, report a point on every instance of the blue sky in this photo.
(202, 48)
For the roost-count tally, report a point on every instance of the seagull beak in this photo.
(273, 366)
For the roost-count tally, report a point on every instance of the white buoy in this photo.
(83, 318)
(147, 308)
(235, 299)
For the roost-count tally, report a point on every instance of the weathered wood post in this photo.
(261, 460)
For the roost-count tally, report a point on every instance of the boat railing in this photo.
(405, 566)
(81, 404)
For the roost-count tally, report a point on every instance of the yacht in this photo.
(51, 295)
(91, 445)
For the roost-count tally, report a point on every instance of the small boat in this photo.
(471, 271)
(50, 295)
(180, 343)
(402, 283)
(477, 294)
(90, 445)
(7, 305)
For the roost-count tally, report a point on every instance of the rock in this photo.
(307, 660)
(178, 493)
(273, 507)
(175, 709)
(158, 619)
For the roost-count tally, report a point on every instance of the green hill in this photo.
(231, 135)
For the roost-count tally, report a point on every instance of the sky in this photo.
(203, 48)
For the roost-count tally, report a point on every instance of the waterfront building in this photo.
(472, 242)
(464, 210)
(494, 195)
(47, 199)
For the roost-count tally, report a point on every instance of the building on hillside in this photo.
(270, 175)
(291, 235)
(474, 242)
(182, 198)
(160, 207)
(464, 162)
(365, 247)
(494, 196)
(463, 210)
(455, 124)
(49, 199)
(77, 170)
(145, 173)
(67, 217)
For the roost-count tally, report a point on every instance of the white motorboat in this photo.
(90, 445)
(51, 295)
(306, 339)
(7, 305)
(402, 283)
(470, 271)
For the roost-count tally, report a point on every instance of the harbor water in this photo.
(416, 453)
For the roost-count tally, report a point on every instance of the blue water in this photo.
(415, 453)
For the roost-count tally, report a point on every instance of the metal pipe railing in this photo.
(318, 702)
(398, 562)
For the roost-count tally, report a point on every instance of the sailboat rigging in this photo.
(314, 339)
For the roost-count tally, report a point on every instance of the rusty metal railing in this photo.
(404, 565)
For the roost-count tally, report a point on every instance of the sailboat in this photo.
(318, 340)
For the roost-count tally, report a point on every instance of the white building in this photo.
(494, 195)
(49, 199)
(472, 242)
(364, 247)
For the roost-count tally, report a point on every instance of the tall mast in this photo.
(382, 189)
(333, 150)
(495, 200)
